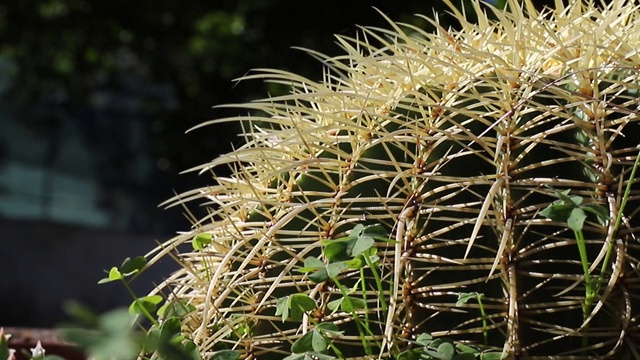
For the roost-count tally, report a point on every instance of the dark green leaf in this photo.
(191, 350)
(557, 212)
(298, 304)
(147, 303)
(319, 276)
(170, 328)
(335, 251)
(53, 357)
(409, 355)
(132, 266)
(563, 195)
(376, 231)
(151, 340)
(598, 210)
(303, 344)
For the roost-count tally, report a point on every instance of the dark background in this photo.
(95, 99)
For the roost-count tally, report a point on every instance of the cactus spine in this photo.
(454, 142)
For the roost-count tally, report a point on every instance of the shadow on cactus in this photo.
(416, 193)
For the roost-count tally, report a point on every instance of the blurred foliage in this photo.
(163, 63)
(65, 53)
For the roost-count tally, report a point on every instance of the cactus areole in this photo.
(492, 159)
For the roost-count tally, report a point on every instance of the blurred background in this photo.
(95, 99)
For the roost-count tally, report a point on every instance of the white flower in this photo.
(38, 351)
(6, 336)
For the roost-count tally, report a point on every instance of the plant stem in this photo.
(135, 299)
(625, 197)
(376, 276)
(485, 335)
(362, 328)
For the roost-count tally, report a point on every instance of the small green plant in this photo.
(463, 298)
(166, 337)
(357, 251)
(573, 211)
(429, 348)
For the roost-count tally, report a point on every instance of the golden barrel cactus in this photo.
(458, 152)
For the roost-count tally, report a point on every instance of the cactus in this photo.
(492, 160)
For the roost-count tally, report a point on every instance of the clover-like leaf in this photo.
(298, 304)
(131, 266)
(375, 231)
(336, 251)
(362, 244)
(282, 308)
(424, 339)
(576, 219)
(329, 328)
(598, 210)
(317, 267)
(447, 350)
(356, 232)
(557, 212)
(462, 348)
(114, 274)
(414, 354)
(334, 269)
(294, 306)
(463, 298)
(352, 304)
(303, 344)
(201, 240)
(319, 276)
(318, 341)
(147, 304)
(492, 356)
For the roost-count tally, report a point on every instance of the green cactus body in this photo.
(453, 142)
